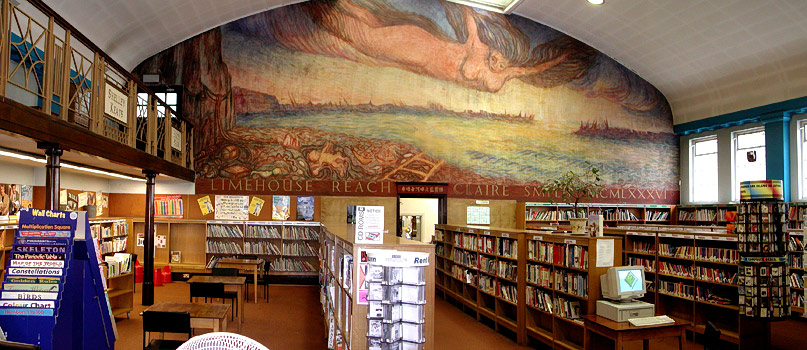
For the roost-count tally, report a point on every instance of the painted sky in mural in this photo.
(431, 91)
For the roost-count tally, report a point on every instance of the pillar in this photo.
(148, 241)
(777, 150)
(53, 156)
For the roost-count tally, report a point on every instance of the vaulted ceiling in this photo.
(707, 57)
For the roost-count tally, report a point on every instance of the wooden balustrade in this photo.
(56, 70)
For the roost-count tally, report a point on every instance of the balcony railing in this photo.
(56, 70)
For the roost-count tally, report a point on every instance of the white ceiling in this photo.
(707, 57)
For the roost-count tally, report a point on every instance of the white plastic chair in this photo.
(221, 341)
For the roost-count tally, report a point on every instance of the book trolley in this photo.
(53, 291)
(530, 285)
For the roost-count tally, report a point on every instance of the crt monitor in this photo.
(623, 283)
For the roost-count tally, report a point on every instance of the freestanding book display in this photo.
(53, 292)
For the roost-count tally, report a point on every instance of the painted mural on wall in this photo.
(426, 90)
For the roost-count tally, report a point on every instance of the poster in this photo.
(27, 196)
(10, 200)
(305, 208)
(232, 207)
(141, 238)
(478, 215)
(159, 242)
(280, 207)
(104, 200)
(256, 205)
(169, 206)
(63, 197)
(82, 199)
(205, 205)
(72, 201)
(369, 225)
(361, 286)
(96, 198)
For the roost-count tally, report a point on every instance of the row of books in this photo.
(507, 247)
(646, 263)
(539, 299)
(571, 283)
(487, 264)
(465, 258)
(262, 231)
(507, 270)
(300, 233)
(440, 250)
(347, 272)
(467, 241)
(796, 260)
(567, 308)
(298, 249)
(675, 269)
(265, 248)
(286, 264)
(439, 236)
(226, 231)
(118, 264)
(796, 281)
(795, 213)
(679, 289)
(698, 215)
(569, 255)
(554, 215)
(676, 251)
(507, 292)
(463, 274)
(117, 244)
(653, 215)
(487, 284)
(722, 255)
(540, 275)
(487, 245)
(796, 298)
(644, 247)
(795, 244)
(224, 247)
(715, 275)
(708, 295)
(616, 214)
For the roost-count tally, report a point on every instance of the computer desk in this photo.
(621, 332)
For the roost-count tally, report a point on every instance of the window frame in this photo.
(692, 156)
(735, 187)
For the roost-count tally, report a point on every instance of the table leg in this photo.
(240, 296)
(646, 344)
(217, 325)
(682, 339)
(255, 283)
(618, 341)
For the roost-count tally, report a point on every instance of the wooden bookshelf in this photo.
(7, 231)
(795, 258)
(705, 214)
(469, 259)
(702, 265)
(340, 297)
(544, 214)
(113, 235)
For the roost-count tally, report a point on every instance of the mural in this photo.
(414, 90)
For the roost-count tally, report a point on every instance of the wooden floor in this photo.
(292, 321)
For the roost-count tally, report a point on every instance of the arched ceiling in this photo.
(707, 57)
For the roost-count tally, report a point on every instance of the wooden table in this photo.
(206, 316)
(244, 264)
(621, 332)
(231, 284)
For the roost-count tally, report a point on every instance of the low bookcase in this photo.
(531, 286)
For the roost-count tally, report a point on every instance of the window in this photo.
(703, 169)
(802, 159)
(749, 158)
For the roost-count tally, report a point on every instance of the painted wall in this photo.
(367, 91)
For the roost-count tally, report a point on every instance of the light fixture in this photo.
(500, 6)
(41, 160)
(595, 2)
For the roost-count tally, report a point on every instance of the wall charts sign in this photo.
(232, 208)
(369, 225)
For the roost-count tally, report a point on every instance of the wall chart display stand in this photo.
(53, 292)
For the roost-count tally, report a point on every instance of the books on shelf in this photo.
(298, 249)
(263, 231)
(300, 233)
(487, 264)
(678, 289)
(567, 308)
(224, 231)
(646, 263)
(286, 264)
(676, 251)
(487, 284)
(261, 247)
(486, 245)
(721, 255)
(657, 215)
(507, 291)
(118, 264)
(464, 274)
(573, 283)
(224, 247)
(576, 256)
(675, 269)
(644, 247)
(507, 269)
(117, 244)
(539, 299)
(540, 275)
(507, 247)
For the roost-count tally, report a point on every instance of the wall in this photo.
(502, 213)
(160, 187)
(333, 97)
(428, 209)
(333, 211)
(14, 173)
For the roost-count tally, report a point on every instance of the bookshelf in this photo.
(7, 232)
(796, 215)
(287, 247)
(543, 214)
(478, 267)
(345, 317)
(112, 237)
(691, 275)
(706, 214)
(795, 258)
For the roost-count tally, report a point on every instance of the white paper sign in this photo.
(176, 139)
(116, 104)
(232, 208)
(605, 253)
(369, 225)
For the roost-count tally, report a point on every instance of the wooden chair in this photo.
(228, 271)
(165, 322)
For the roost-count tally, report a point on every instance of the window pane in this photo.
(704, 178)
(749, 171)
(705, 146)
(161, 96)
(171, 99)
(751, 140)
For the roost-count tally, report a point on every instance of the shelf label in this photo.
(486, 233)
(538, 238)
(470, 230)
(506, 235)
(570, 241)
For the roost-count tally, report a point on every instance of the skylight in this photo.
(500, 6)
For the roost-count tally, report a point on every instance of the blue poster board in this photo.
(53, 293)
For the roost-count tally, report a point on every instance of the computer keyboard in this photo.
(650, 321)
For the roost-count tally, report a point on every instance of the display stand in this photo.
(53, 292)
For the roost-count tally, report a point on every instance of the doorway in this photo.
(420, 207)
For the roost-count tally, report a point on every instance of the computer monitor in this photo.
(623, 283)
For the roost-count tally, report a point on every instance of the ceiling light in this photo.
(595, 2)
(500, 6)
(41, 160)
